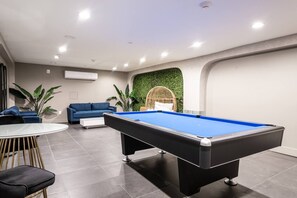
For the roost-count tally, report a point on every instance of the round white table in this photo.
(20, 140)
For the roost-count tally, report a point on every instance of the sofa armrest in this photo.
(70, 112)
(114, 109)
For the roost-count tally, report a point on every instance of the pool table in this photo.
(207, 148)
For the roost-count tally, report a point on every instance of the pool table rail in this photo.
(192, 148)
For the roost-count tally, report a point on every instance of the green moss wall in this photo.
(170, 78)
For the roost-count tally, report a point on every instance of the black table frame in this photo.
(200, 160)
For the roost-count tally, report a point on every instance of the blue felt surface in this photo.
(202, 127)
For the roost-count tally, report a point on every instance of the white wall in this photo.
(196, 72)
(30, 76)
(260, 88)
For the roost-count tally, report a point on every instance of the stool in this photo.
(22, 181)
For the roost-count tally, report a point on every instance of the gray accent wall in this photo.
(30, 76)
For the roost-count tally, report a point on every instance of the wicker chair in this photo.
(159, 94)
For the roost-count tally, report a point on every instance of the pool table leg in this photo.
(126, 159)
(191, 177)
(162, 152)
(230, 182)
(130, 145)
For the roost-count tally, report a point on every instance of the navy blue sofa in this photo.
(28, 116)
(76, 111)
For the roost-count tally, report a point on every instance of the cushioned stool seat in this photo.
(22, 181)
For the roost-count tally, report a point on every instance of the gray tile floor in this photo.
(87, 163)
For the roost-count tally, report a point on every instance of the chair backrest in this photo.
(10, 119)
(160, 94)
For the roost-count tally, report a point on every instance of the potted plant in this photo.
(37, 100)
(126, 99)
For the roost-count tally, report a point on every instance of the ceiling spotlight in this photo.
(126, 64)
(142, 60)
(84, 15)
(205, 4)
(63, 48)
(257, 25)
(56, 57)
(196, 44)
(70, 37)
(164, 54)
(114, 68)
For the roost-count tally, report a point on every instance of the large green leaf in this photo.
(48, 110)
(127, 91)
(37, 92)
(119, 103)
(48, 94)
(53, 88)
(111, 98)
(40, 95)
(120, 93)
(25, 92)
(48, 99)
(17, 93)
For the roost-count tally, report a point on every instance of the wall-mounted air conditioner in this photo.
(80, 75)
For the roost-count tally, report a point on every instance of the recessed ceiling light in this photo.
(205, 4)
(126, 64)
(196, 44)
(164, 54)
(142, 60)
(114, 68)
(257, 25)
(84, 15)
(69, 37)
(63, 48)
(56, 57)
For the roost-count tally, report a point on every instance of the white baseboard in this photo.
(286, 150)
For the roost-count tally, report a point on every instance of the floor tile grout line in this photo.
(147, 193)
(125, 191)
(269, 178)
(80, 145)
(55, 161)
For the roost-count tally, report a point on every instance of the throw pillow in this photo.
(163, 106)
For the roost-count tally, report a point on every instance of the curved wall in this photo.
(195, 72)
(260, 88)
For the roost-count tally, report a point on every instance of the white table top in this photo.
(32, 129)
(95, 118)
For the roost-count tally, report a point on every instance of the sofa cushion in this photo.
(81, 106)
(100, 106)
(28, 113)
(163, 106)
(88, 114)
(14, 110)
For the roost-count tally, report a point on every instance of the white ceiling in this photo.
(33, 29)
